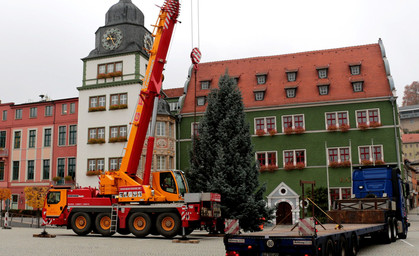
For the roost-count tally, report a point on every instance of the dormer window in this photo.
(291, 75)
(323, 89)
(205, 85)
(200, 101)
(322, 72)
(291, 92)
(236, 79)
(261, 78)
(355, 69)
(358, 86)
(259, 95)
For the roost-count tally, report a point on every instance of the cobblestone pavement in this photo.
(20, 242)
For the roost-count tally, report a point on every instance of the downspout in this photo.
(396, 138)
(327, 178)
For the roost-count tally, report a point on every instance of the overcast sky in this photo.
(43, 41)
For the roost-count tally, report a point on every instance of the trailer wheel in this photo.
(103, 224)
(168, 224)
(81, 223)
(354, 245)
(342, 246)
(394, 229)
(139, 224)
(387, 232)
(404, 234)
(329, 248)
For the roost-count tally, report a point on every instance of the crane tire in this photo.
(168, 224)
(329, 248)
(103, 224)
(354, 247)
(394, 229)
(139, 223)
(342, 246)
(81, 223)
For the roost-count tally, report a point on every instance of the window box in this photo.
(332, 127)
(115, 74)
(260, 132)
(68, 178)
(95, 109)
(289, 166)
(375, 124)
(93, 172)
(56, 178)
(334, 164)
(300, 166)
(96, 141)
(272, 168)
(120, 106)
(101, 76)
(299, 130)
(379, 162)
(272, 132)
(345, 164)
(263, 168)
(118, 139)
(344, 127)
(363, 126)
(288, 130)
(366, 162)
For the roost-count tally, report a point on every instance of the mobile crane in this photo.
(124, 202)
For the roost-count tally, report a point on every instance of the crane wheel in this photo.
(330, 248)
(81, 223)
(139, 224)
(168, 224)
(103, 224)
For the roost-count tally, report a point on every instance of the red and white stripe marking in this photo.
(232, 227)
(306, 227)
(196, 55)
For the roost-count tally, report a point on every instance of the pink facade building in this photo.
(38, 142)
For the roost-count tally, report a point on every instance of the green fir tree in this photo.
(222, 158)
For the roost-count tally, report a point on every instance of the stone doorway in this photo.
(283, 213)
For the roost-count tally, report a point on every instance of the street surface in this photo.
(20, 242)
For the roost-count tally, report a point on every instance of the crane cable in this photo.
(192, 24)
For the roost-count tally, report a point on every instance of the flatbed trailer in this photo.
(284, 241)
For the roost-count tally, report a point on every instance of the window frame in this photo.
(367, 116)
(291, 76)
(30, 174)
(32, 138)
(18, 113)
(71, 167)
(119, 134)
(201, 100)
(323, 89)
(119, 101)
(97, 129)
(291, 92)
(205, 84)
(33, 112)
(96, 161)
(4, 115)
(294, 156)
(161, 128)
(3, 139)
(194, 129)
(336, 119)
(265, 123)
(72, 108)
(46, 170)
(371, 152)
(61, 163)
(106, 67)
(353, 68)
(259, 95)
(15, 170)
(358, 86)
(322, 73)
(118, 163)
(49, 110)
(261, 79)
(62, 135)
(17, 139)
(293, 117)
(339, 154)
(64, 109)
(47, 137)
(267, 157)
(72, 135)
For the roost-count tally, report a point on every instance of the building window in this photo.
(119, 99)
(358, 86)
(161, 162)
(97, 133)
(97, 103)
(368, 117)
(46, 169)
(323, 89)
(339, 155)
(259, 95)
(1, 170)
(267, 158)
(2, 139)
(200, 101)
(115, 163)
(291, 76)
(48, 110)
(71, 167)
(72, 140)
(18, 114)
(339, 193)
(161, 129)
(4, 118)
(294, 157)
(63, 109)
(293, 121)
(261, 79)
(336, 119)
(322, 72)
(33, 112)
(370, 153)
(291, 92)
(15, 174)
(96, 164)
(113, 69)
(32, 138)
(265, 123)
(62, 133)
(118, 133)
(205, 85)
(72, 108)
(195, 129)
(174, 106)
(17, 139)
(355, 69)
(47, 137)
(61, 167)
(31, 170)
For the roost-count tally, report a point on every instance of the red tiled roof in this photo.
(339, 77)
(410, 138)
(173, 93)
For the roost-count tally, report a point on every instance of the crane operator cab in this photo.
(170, 184)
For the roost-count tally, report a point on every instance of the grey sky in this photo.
(43, 41)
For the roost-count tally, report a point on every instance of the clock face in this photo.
(112, 39)
(148, 42)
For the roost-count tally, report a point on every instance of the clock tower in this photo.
(112, 79)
